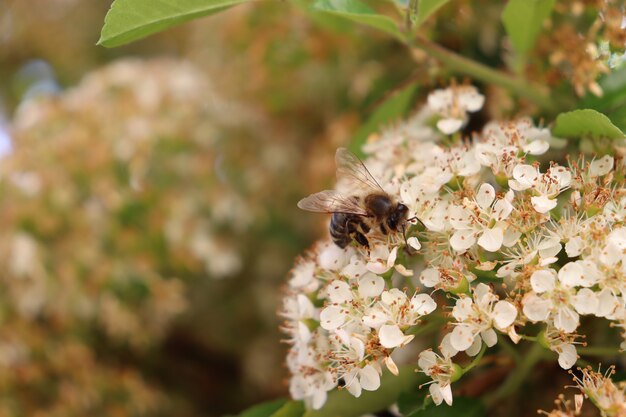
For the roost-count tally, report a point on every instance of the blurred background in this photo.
(148, 193)
(148, 200)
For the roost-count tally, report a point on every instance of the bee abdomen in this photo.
(346, 227)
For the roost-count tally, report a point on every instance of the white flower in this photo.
(303, 277)
(563, 344)
(452, 105)
(366, 378)
(440, 369)
(297, 310)
(545, 187)
(556, 300)
(536, 248)
(600, 167)
(481, 221)
(476, 318)
(394, 313)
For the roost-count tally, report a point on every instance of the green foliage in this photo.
(462, 406)
(342, 404)
(393, 108)
(129, 20)
(290, 409)
(359, 12)
(410, 402)
(586, 123)
(523, 20)
(426, 8)
(265, 409)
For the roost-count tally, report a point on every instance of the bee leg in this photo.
(383, 229)
(408, 249)
(361, 239)
(412, 219)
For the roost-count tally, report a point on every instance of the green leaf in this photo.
(359, 12)
(409, 402)
(342, 403)
(264, 410)
(461, 407)
(426, 8)
(290, 409)
(523, 20)
(392, 109)
(585, 123)
(129, 20)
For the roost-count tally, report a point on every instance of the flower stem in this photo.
(518, 376)
(476, 360)
(459, 64)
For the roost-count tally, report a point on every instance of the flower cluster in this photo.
(507, 238)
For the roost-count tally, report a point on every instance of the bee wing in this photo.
(331, 202)
(352, 171)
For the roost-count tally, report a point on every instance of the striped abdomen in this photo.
(345, 227)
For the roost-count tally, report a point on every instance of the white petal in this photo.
(567, 355)
(414, 243)
(566, 319)
(490, 337)
(318, 399)
(352, 383)
(391, 365)
(339, 292)
(471, 100)
(358, 346)
(536, 147)
(423, 304)
(375, 318)
(574, 246)
(435, 393)
(475, 348)
(446, 348)
(333, 258)
(449, 126)
(543, 280)
(370, 379)
(371, 285)
(391, 336)
(585, 301)
(377, 267)
(485, 196)
(491, 239)
(332, 317)
(462, 240)
(392, 257)
(463, 309)
(601, 166)
(462, 337)
(571, 274)
(542, 204)
(501, 210)
(525, 175)
(536, 308)
(429, 277)
(561, 174)
(427, 359)
(446, 393)
(504, 314)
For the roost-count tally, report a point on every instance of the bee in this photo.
(369, 208)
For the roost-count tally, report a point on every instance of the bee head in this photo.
(397, 216)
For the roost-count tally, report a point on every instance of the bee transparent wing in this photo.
(331, 202)
(352, 172)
